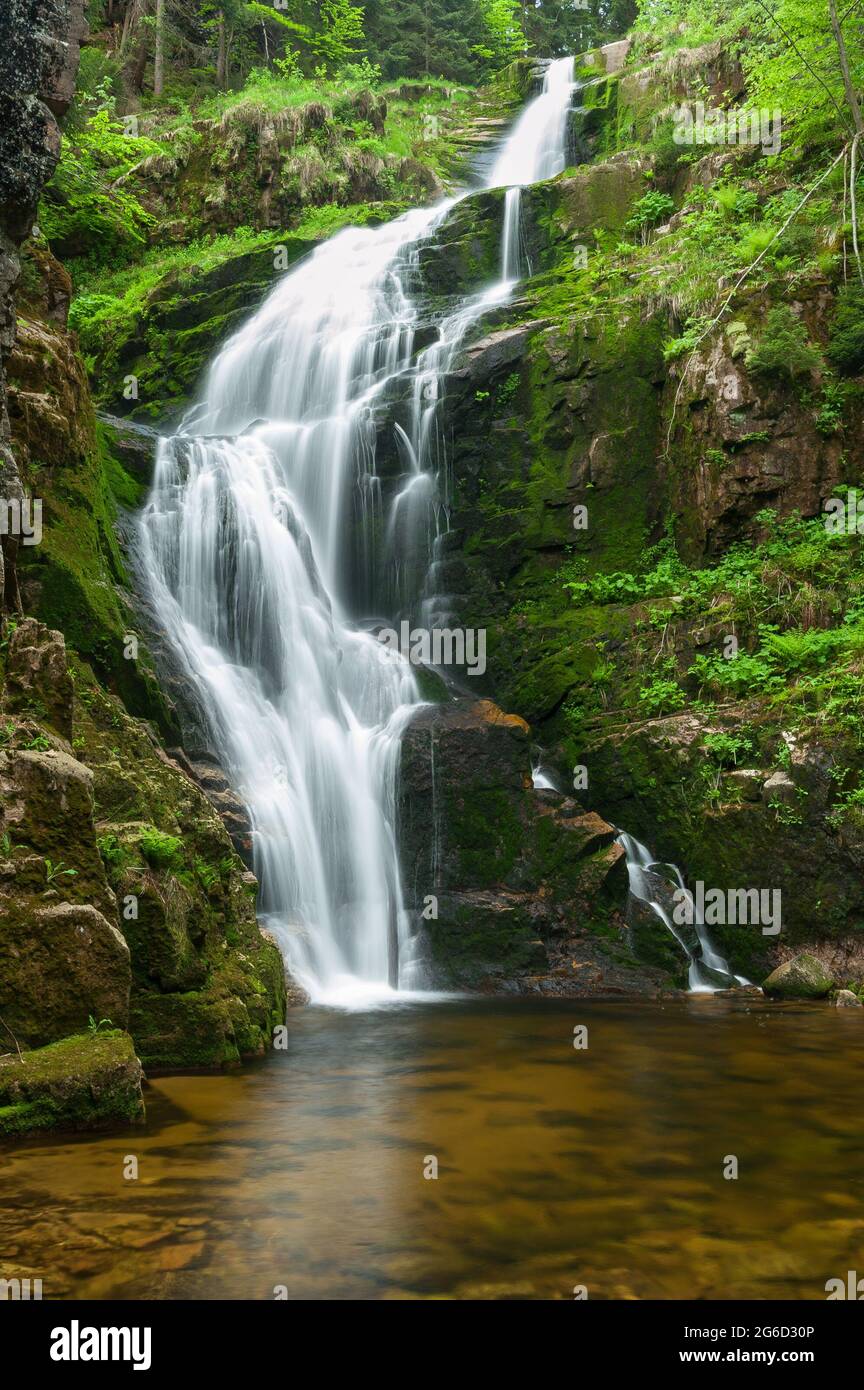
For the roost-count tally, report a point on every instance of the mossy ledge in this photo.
(84, 1082)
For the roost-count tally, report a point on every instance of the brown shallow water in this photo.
(557, 1167)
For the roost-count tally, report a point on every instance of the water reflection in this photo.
(555, 1166)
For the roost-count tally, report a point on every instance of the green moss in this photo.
(208, 1029)
(78, 575)
(483, 823)
(473, 945)
(90, 1081)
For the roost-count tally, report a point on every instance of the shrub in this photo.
(649, 211)
(727, 749)
(662, 697)
(784, 349)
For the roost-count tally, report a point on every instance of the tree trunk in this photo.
(222, 56)
(128, 25)
(159, 50)
(851, 94)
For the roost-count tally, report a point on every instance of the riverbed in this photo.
(312, 1173)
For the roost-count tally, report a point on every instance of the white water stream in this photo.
(660, 888)
(245, 547)
(536, 150)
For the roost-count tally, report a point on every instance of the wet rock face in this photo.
(750, 442)
(61, 966)
(62, 957)
(766, 829)
(511, 888)
(39, 49)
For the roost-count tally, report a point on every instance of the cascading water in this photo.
(536, 150)
(244, 550)
(660, 887)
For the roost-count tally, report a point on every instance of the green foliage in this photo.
(85, 211)
(505, 38)
(846, 347)
(728, 750)
(505, 393)
(160, 850)
(93, 1027)
(784, 349)
(831, 407)
(616, 587)
(674, 348)
(54, 871)
(650, 210)
(427, 38)
(661, 696)
(790, 59)
(799, 650)
(341, 38)
(741, 674)
(114, 855)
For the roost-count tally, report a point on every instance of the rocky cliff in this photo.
(39, 42)
(128, 918)
(639, 497)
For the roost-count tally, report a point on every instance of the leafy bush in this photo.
(617, 587)
(799, 651)
(85, 211)
(662, 697)
(830, 415)
(650, 210)
(727, 749)
(784, 349)
(743, 674)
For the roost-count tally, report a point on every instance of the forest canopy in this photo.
(156, 46)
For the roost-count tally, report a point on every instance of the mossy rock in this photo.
(483, 940)
(802, 977)
(89, 1081)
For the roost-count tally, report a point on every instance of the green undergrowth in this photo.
(779, 623)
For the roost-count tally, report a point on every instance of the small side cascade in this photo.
(661, 888)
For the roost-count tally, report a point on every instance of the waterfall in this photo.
(658, 886)
(536, 150)
(245, 547)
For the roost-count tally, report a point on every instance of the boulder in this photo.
(802, 977)
(845, 999)
(61, 964)
(89, 1081)
(37, 676)
(503, 882)
(134, 444)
